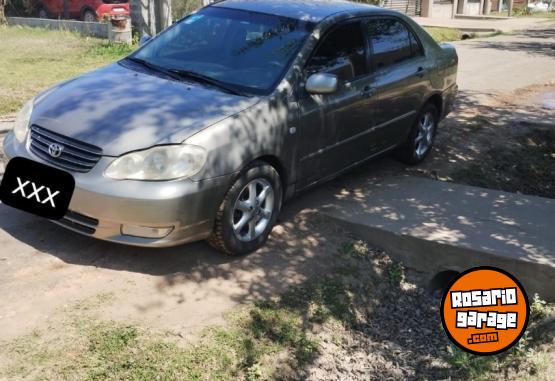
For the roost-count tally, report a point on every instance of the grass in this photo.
(275, 338)
(259, 341)
(245, 349)
(523, 13)
(527, 165)
(33, 59)
(444, 34)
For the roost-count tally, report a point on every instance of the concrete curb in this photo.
(435, 226)
(465, 29)
(432, 258)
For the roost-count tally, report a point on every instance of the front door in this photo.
(335, 129)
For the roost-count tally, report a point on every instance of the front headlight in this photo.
(21, 125)
(158, 163)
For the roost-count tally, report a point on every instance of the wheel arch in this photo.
(275, 162)
(86, 8)
(437, 100)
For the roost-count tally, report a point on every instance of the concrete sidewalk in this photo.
(435, 226)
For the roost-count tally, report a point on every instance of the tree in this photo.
(2, 14)
(163, 14)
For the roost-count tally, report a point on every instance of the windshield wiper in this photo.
(179, 74)
(154, 67)
(203, 78)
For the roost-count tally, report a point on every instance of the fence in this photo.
(408, 7)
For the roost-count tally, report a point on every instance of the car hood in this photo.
(122, 109)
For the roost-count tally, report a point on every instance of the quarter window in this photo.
(391, 42)
(341, 53)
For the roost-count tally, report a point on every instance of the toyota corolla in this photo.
(207, 128)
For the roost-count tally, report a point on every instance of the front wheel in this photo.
(249, 211)
(421, 138)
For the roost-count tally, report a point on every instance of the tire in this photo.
(42, 13)
(243, 223)
(420, 141)
(89, 16)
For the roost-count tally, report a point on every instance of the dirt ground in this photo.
(502, 141)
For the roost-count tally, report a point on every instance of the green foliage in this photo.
(521, 11)
(444, 34)
(469, 366)
(539, 308)
(396, 273)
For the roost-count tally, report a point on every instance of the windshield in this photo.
(247, 50)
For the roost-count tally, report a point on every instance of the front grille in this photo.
(76, 156)
(79, 222)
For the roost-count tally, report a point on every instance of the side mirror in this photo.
(144, 39)
(321, 83)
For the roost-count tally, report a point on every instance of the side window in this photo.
(341, 53)
(416, 47)
(391, 42)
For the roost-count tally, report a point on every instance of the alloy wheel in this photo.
(425, 136)
(253, 209)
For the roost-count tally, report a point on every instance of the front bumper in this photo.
(100, 206)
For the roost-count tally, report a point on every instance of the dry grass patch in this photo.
(33, 59)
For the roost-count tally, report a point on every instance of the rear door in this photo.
(400, 75)
(332, 126)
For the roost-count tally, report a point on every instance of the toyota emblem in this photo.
(55, 150)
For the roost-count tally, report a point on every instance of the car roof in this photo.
(308, 10)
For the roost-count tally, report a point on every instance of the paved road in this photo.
(507, 62)
(44, 268)
(499, 24)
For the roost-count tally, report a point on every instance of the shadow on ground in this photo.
(542, 46)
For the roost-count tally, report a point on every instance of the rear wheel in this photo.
(248, 211)
(421, 138)
(89, 16)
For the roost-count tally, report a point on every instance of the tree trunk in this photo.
(163, 9)
(2, 15)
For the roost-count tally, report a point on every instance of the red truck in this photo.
(86, 10)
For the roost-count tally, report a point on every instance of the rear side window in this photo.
(341, 53)
(391, 42)
(415, 46)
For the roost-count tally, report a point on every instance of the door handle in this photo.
(368, 91)
(420, 72)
